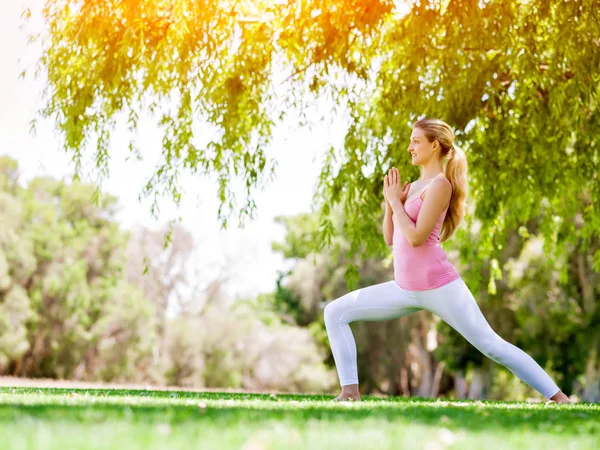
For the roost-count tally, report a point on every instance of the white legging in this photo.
(452, 302)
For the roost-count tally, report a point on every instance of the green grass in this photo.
(32, 418)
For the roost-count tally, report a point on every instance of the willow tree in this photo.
(517, 79)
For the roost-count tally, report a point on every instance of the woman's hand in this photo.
(404, 192)
(393, 191)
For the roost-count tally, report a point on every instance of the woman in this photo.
(417, 218)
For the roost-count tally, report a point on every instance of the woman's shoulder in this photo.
(441, 176)
(445, 180)
(440, 180)
(439, 186)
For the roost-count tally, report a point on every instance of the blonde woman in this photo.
(418, 217)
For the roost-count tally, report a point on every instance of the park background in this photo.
(123, 276)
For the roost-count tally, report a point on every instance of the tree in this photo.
(170, 277)
(517, 79)
(64, 310)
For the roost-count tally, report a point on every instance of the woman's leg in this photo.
(455, 304)
(378, 302)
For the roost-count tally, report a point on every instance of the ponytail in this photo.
(456, 172)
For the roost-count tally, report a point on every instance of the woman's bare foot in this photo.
(341, 398)
(349, 393)
(559, 397)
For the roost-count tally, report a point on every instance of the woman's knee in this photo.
(330, 313)
(333, 311)
(494, 347)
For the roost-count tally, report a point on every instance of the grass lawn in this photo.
(50, 418)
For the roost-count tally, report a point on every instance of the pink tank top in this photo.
(426, 266)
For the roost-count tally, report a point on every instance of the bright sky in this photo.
(299, 154)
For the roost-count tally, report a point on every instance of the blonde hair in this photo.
(455, 171)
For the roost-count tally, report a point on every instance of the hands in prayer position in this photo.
(393, 190)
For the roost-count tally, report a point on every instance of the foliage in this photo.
(518, 80)
(65, 312)
(74, 302)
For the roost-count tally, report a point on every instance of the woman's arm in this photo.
(436, 200)
(388, 225)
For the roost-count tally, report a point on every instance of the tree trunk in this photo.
(394, 373)
(424, 360)
(460, 384)
(404, 382)
(591, 392)
(587, 290)
(479, 385)
(437, 377)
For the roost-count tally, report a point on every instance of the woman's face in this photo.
(420, 149)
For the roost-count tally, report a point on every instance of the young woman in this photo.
(418, 217)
